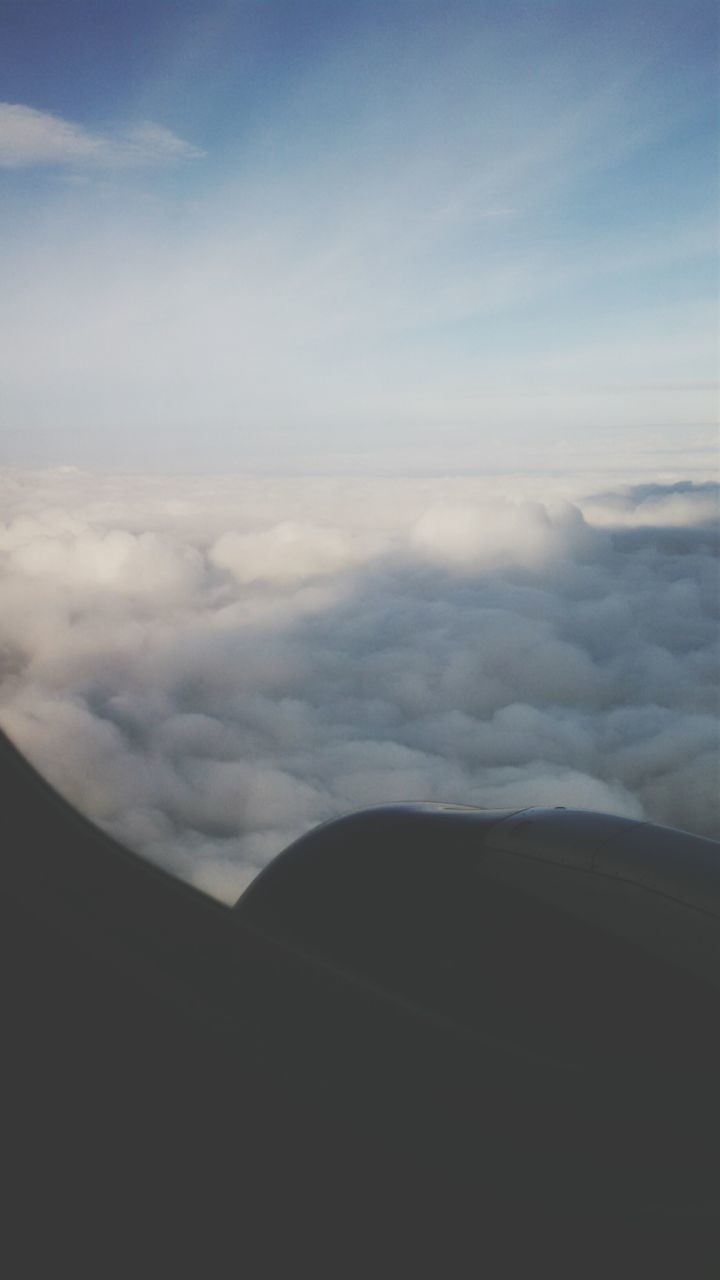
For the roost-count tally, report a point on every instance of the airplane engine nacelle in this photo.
(538, 989)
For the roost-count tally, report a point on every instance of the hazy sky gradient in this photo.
(356, 235)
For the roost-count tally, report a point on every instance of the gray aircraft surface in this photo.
(425, 1031)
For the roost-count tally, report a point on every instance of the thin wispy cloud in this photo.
(31, 138)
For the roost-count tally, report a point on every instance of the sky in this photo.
(326, 235)
(358, 412)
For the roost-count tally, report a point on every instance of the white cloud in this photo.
(29, 137)
(498, 533)
(130, 564)
(211, 666)
(668, 506)
(287, 552)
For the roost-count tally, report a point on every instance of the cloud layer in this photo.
(210, 666)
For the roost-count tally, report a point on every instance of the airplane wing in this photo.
(434, 1021)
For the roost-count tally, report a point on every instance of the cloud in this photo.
(500, 533)
(678, 505)
(29, 137)
(289, 552)
(210, 666)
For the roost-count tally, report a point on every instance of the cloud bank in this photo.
(29, 137)
(210, 666)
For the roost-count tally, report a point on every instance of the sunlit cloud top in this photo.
(279, 233)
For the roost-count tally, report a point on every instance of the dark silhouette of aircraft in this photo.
(425, 1031)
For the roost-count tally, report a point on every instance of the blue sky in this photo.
(355, 234)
